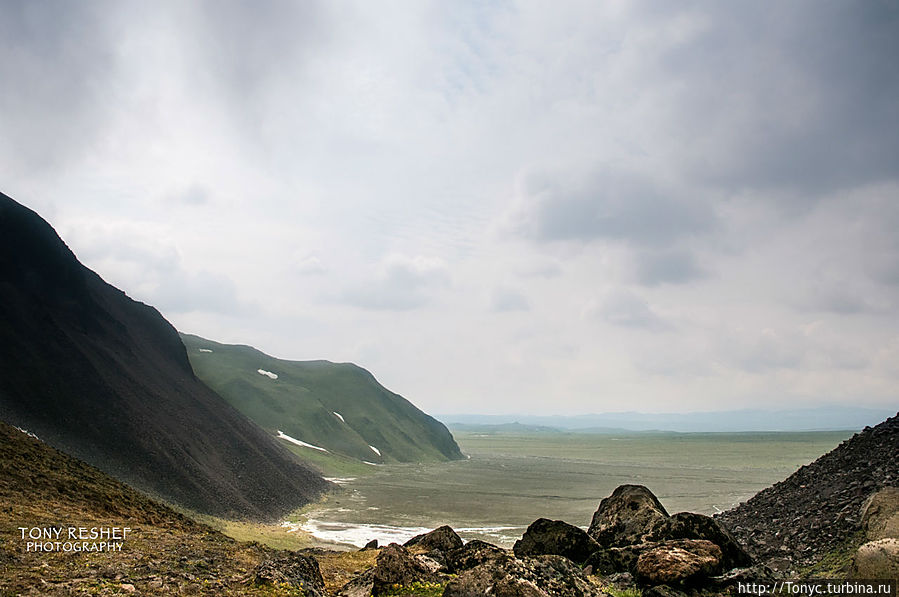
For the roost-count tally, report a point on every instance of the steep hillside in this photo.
(816, 510)
(107, 379)
(336, 406)
(162, 553)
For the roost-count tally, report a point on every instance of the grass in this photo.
(339, 568)
(165, 553)
(331, 464)
(304, 398)
(417, 589)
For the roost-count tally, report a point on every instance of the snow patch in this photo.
(375, 450)
(267, 373)
(205, 350)
(338, 415)
(371, 463)
(26, 432)
(285, 437)
(339, 480)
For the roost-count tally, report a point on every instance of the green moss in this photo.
(623, 592)
(835, 563)
(417, 589)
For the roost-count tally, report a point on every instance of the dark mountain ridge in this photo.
(107, 379)
(817, 509)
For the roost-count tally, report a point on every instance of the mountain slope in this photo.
(107, 379)
(336, 406)
(163, 553)
(816, 509)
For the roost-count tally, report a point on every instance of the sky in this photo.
(496, 207)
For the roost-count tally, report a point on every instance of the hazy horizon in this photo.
(577, 208)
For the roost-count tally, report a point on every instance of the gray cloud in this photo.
(504, 300)
(626, 309)
(797, 96)
(56, 64)
(667, 267)
(401, 283)
(607, 205)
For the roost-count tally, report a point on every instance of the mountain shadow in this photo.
(107, 379)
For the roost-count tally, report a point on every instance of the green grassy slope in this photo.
(304, 398)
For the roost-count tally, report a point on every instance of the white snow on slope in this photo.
(28, 433)
(205, 350)
(340, 480)
(267, 373)
(375, 450)
(338, 415)
(285, 437)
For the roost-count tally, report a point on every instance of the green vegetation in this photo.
(616, 592)
(337, 406)
(330, 463)
(836, 563)
(417, 589)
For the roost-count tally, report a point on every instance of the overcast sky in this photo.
(531, 207)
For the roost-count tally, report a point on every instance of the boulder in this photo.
(540, 576)
(880, 514)
(626, 516)
(617, 559)
(474, 553)
(877, 560)
(395, 566)
(442, 539)
(554, 537)
(679, 562)
(294, 569)
(373, 544)
(689, 525)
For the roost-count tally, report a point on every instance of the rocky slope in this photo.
(337, 406)
(107, 379)
(817, 509)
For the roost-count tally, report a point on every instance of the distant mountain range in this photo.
(320, 405)
(106, 379)
(827, 418)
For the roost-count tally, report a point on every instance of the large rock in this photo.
(541, 576)
(296, 570)
(679, 562)
(474, 553)
(610, 560)
(626, 516)
(395, 566)
(442, 539)
(689, 525)
(877, 560)
(555, 537)
(880, 514)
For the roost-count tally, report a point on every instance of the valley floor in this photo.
(511, 479)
